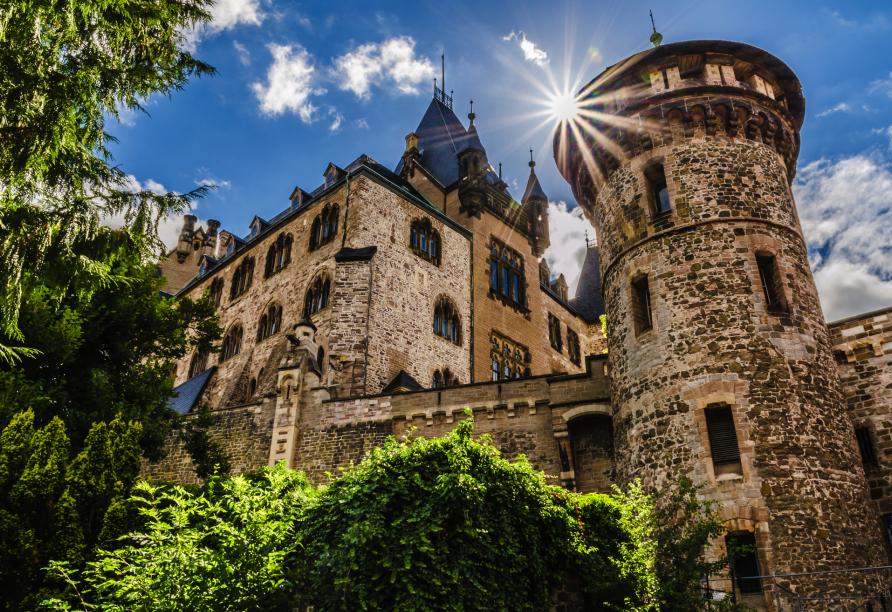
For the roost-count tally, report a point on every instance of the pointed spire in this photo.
(534, 189)
(656, 38)
(471, 115)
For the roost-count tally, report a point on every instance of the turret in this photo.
(473, 168)
(720, 359)
(535, 204)
(184, 244)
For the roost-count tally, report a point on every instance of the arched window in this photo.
(425, 241)
(270, 322)
(252, 387)
(325, 226)
(217, 291)
(317, 296)
(242, 277)
(444, 379)
(198, 364)
(506, 275)
(232, 343)
(509, 359)
(279, 255)
(447, 323)
(320, 359)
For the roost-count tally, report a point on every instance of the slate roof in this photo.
(534, 189)
(588, 301)
(402, 382)
(441, 136)
(186, 395)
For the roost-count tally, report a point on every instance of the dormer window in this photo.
(230, 247)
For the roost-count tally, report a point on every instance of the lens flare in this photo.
(563, 106)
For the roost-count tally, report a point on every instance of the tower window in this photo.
(270, 322)
(425, 241)
(242, 277)
(198, 364)
(324, 227)
(506, 275)
(865, 446)
(279, 255)
(722, 439)
(447, 323)
(217, 291)
(317, 296)
(554, 333)
(659, 191)
(573, 347)
(772, 284)
(232, 343)
(509, 359)
(641, 312)
(444, 379)
(744, 562)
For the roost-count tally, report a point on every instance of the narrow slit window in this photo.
(659, 190)
(722, 436)
(641, 310)
(772, 285)
(866, 448)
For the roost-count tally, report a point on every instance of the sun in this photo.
(563, 106)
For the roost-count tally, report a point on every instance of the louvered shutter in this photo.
(722, 436)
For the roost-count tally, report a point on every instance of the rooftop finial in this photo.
(500, 171)
(532, 163)
(443, 71)
(656, 38)
(435, 87)
(471, 114)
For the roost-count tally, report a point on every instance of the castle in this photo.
(385, 302)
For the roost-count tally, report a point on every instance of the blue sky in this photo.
(303, 84)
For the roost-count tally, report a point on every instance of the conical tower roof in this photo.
(534, 189)
(588, 300)
(441, 136)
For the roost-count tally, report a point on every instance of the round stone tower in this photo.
(682, 156)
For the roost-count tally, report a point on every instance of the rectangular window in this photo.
(494, 276)
(659, 190)
(722, 435)
(641, 312)
(554, 333)
(744, 561)
(573, 347)
(865, 445)
(509, 358)
(506, 275)
(772, 285)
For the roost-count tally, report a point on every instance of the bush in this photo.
(443, 523)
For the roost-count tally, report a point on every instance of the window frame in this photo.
(232, 343)
(510, 357)
(507, 275)
(720, 429)
(555, 337)
(772, 283)
(866, 448)
(317, 296)
(447, 321)
(242, 278)
(657, 183)
(573, 350)
(642, 306)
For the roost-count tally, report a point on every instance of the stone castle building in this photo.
(385, 302)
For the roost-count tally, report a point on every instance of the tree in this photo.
(105, 354)
(65, 66)
(53, 505)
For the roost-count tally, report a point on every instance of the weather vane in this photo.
(656, 38)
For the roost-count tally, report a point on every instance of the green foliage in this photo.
(52, 504)
(106, 355)
(219, 548)
(65, 67)
(445, 524)
(603, 320)
(208, 456)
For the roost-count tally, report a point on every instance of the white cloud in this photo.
(336, 120)
(567, 229)
(842, 107)
(362, 124)
(244, 56)
(531, 52)
(390, 63)
(168, 227)
(846, 215)
(883, 85)
(289, 83)
(225, 15)
(213, 182)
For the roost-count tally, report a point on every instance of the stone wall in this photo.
(714, 341)
(862, 346)
(244, 432)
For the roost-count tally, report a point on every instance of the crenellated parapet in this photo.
(711, 90)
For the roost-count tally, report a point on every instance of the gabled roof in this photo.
(186, 395)
(402, 382)
(441, 136)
